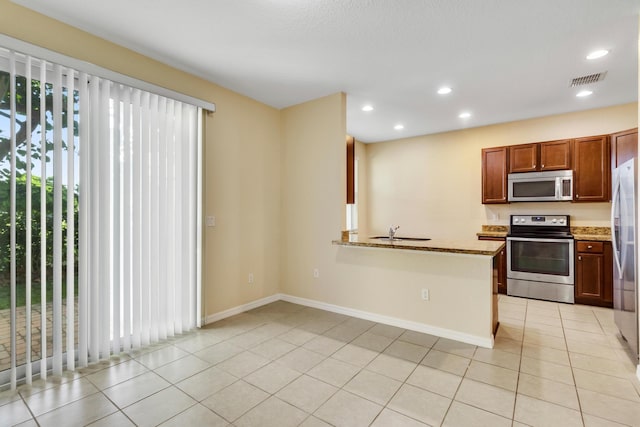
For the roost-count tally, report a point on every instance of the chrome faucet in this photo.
(392, 232)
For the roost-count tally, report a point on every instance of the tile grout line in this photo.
(524, 331)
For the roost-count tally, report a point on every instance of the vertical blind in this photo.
(118, 176)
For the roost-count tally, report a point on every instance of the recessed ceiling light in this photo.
(444, 90)
(398, 127)
(597, 54)
(367, 108)
(584, 93)
(464, 115)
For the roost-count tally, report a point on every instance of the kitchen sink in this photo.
(408, 239)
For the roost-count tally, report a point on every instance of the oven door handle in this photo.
(536, 239)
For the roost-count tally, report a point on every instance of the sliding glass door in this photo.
(98, 218)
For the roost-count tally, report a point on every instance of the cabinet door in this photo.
(594, 273)
(494, 175)
(351, 160)
(555, 155)
(589, 277)
(523, 158)
(592, 169)
(502, 272)
(624, 146)
(501, 264)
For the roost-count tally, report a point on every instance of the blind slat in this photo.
(57, 221)
(29, 219)
(43, 223)
(114, 233)
(136, 222)
(104, 169)
(71, 297)
(83, 220)
(12, 215)
(94, 214)
(126, 219)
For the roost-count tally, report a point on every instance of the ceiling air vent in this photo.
(585, 80)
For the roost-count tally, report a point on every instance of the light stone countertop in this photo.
(602, 234)
(470, 246)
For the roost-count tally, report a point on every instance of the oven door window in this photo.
(541, 257)
(534, 188)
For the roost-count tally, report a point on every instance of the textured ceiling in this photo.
(505, 59)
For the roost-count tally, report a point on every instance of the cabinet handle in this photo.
(579, 258)
(577, 196)
(542, 166)
(589, 247)
(534, 166)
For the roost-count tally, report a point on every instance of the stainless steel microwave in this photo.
(551, 186)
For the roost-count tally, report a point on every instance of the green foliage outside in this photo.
(21, 190)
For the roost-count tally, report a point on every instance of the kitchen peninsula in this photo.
(455, 282)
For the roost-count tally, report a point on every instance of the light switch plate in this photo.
(210, 220)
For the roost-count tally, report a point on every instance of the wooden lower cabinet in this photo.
(594, 273)
(500, 262)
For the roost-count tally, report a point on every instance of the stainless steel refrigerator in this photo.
(624, 217)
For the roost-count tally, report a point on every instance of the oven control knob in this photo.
(553, 220)
(562, 221)
(516, 220)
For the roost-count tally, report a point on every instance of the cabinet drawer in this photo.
(591, 247)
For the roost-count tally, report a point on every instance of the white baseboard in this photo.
(240, 309)
(393, 321)
(378, 318)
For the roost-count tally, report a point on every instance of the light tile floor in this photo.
(287, 365)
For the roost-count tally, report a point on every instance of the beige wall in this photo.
(314, 193)
(363, 177)
(241, 160)
(430, 185)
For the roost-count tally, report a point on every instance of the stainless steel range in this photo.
(540, 261)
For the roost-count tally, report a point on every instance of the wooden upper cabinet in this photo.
(555, 155)
(592, 169)
(624, 146)
(523, 158)
(351, 180)
(494, 175)
(540, 156)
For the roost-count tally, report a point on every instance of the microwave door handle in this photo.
(614, 237)
(558, 188)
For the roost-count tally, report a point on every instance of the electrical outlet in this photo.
(316, 273)
(250, 277)
(210, 221)
(425, 294)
